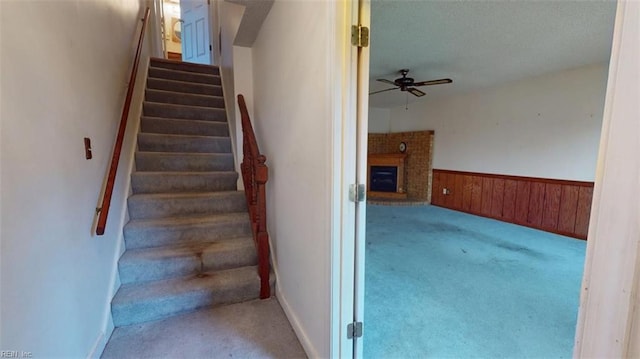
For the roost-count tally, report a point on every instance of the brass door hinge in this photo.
(359, 36)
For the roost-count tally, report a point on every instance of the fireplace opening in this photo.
(383, 178)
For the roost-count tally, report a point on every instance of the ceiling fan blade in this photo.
(433, 82)
(374, 92)
(416, 92)
(387, 82)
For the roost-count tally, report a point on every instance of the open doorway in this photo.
(185, 28)
(172, 29)
(515, 140)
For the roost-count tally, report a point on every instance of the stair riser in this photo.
(145, 183)
(177, 144)
(165, 162)
(186, 87)
(183, 99)
(193, 77)
(158, 270)
(168, 235)
(242, 256)
(174, 267)
(154, 109)
(185, 66)
(184, 127)
(218, 288)
(181, 207)
(163, 307)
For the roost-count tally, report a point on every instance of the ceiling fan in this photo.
(405, 83)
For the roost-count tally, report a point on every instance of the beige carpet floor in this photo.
(254, 329)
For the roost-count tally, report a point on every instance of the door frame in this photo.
(350, 106)
(609, 314)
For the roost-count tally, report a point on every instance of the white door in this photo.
(362, 115)
(196, 46)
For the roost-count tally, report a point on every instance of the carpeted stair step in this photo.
(186, 76)
(164, 205)
(184, 66)
(182, 143)
(162, 182)
(163, 110)
(180, 98)
(183, 127)
(150, 264)
(190, 162)
(186, 87)
(157, 232)
(147, 233)
(136, 303)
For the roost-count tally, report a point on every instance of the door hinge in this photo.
(209, 47)
(356, 193)
(354, 330)
(359, 36)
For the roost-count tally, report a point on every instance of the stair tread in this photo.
(185, 249)
(179, 136)
(196, 154)
(185, 194)
(179, 82)
(183, 106)
(204, 122)
(178, 62)
(186, 94)
(185, 173)
(184, 75)
(184, 72)
(140, 292)
(190, 220)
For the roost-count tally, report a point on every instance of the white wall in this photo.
(57, 277)
(547, 126)
(379, 120)
(243, 84)
(294, 127)
(229, 19)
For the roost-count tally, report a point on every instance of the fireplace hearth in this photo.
(386, 176)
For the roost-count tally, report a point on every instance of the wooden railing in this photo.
(103, 210)
(255, 175)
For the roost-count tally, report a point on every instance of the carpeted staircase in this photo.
(188, 243)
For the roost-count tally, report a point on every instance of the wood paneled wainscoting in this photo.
(557, 206)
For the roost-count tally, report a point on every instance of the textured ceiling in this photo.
(482, 43)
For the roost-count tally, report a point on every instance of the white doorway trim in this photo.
(609, 313)
(343, 104)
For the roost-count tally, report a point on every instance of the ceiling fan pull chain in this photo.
(406, 105)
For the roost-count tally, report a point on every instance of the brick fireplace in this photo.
(415, 184)
(386, 174)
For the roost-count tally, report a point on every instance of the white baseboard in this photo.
(98, 347)
(295, 324)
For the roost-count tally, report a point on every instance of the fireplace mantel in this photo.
(392, 160)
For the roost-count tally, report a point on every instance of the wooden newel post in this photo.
(255, 174)
(261, 177)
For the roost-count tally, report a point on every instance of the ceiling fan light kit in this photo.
(408, 84)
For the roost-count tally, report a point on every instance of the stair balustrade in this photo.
(103, 210)
(255, 175)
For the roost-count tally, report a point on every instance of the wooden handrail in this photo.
(103, 210)
(255, 175)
